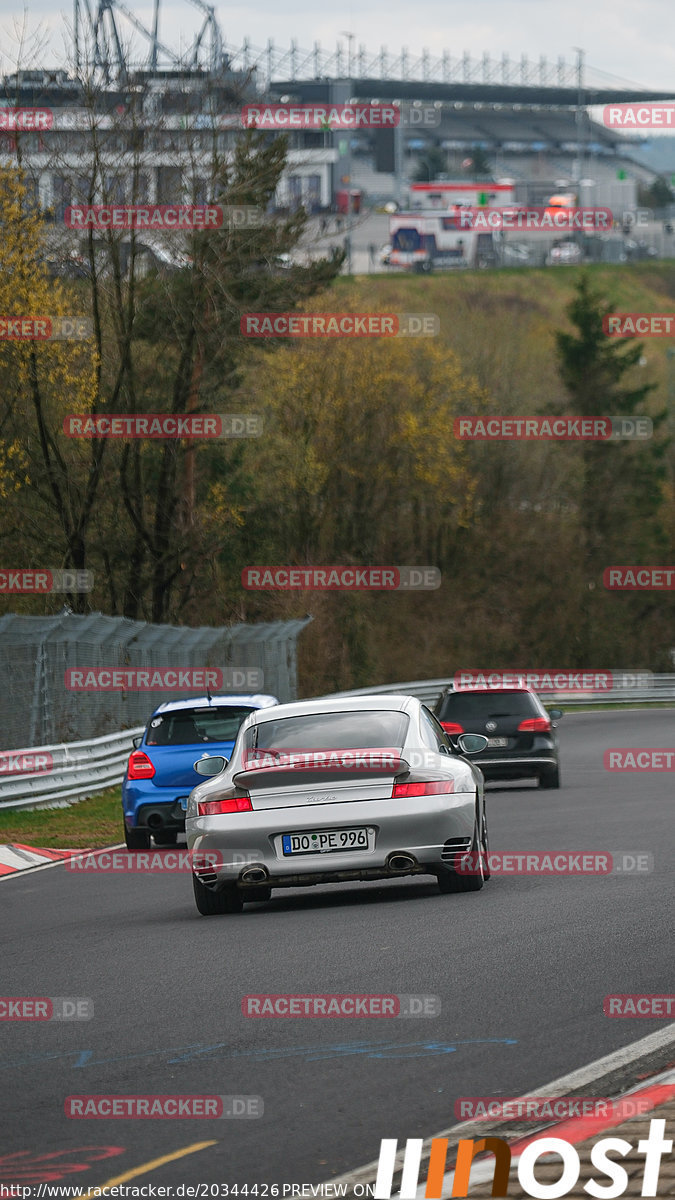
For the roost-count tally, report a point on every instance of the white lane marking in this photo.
(59, 862)
(558, 1087)
(482, 1171)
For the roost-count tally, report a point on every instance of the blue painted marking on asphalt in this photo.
(423, 1049)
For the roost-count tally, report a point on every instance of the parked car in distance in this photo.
(565, 254)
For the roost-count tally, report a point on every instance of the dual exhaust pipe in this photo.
(397, 863)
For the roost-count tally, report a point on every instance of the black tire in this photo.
(211, 904)
(168, 837)
(450, 882)
(550, 779)
(258, 893)
(137, 839)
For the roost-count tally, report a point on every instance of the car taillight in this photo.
(213, 808)
(427, 787)
(452, 727)
(535, 725)
(140, 766)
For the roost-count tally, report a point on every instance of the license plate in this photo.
(497, 743)
(326, 840)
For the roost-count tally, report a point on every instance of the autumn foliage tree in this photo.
(42, 381)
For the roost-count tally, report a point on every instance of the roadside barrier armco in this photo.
(53, 776)
(56, 776)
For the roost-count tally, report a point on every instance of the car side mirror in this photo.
(211, 766)
(556, 714)
(136, 741)
(472, 743)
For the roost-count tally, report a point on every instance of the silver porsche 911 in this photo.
(328, 791)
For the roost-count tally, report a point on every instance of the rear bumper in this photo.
(517, 766)
(142, 801)
(253, 839)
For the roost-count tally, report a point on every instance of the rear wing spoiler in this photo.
(264, 769)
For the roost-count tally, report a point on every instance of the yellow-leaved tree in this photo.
(358, 462)
(48, 488)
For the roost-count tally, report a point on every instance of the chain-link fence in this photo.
(37, 708)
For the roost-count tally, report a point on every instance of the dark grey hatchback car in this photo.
(522, 742)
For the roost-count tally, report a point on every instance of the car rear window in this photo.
(502, 703)
(330, 731)
(190, 726)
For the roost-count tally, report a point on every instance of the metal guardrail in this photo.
(67, 772)
(79, 769)
(661, 689)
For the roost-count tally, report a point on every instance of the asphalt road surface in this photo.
(521, 969)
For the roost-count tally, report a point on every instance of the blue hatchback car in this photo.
(160, 773)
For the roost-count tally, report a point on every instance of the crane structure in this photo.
(100, 44)
(102, 31)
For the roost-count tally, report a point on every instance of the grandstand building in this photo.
(156, 129)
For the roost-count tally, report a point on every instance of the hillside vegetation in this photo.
(357, 463)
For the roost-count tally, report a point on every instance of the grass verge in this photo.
(87, 824)
(97, 822)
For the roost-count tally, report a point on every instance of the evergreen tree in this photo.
(431, 163)
(621, 498)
